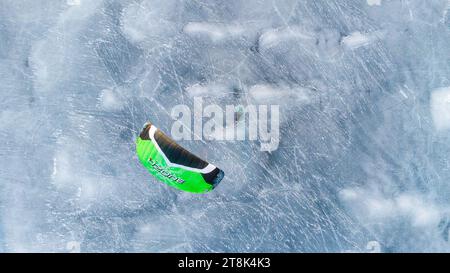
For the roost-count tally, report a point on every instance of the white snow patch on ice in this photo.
(276, 36)
(213, 31)
(440, 108)
(348, 194)
(374, 2)
(377, 207)
(109, 100)
(265, 94)
(357, 39)
(208, 90)
(73, 2)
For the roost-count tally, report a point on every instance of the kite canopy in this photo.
(174, 165)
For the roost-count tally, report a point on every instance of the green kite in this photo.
(174, 165)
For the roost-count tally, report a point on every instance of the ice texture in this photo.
(363, 160)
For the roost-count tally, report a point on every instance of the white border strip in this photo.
(151, 134)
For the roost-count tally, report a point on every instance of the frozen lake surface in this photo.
(363, 162)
